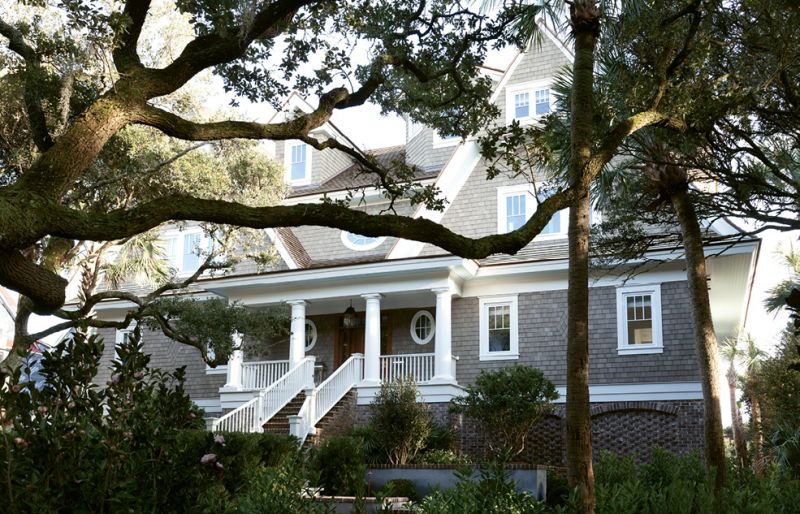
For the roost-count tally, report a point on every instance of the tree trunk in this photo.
(585, 18)
(758, 436)
(705, 339)
(739, 442)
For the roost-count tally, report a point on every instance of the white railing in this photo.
(262, 374)
(251, 416)
(418, 366)
(328, 394)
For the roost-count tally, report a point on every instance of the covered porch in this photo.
(389, 319)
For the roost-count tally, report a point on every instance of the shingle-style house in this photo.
(365, 310)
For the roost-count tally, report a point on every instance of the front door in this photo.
(351, 340)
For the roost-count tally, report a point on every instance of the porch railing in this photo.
(251, 416)
(418, 366)
(347, 376)
(262, 374)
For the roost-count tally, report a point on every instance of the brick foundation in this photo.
(622, 428)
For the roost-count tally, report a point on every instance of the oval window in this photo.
(360, 243)
(422, 327)
(311, 334)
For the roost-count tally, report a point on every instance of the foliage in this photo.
(72, 444)
(400, 422)
(678, 484)
(209, 325)
(399, 487)
(442, 457)
(786, 450)
(492, 493)
(507, 403)
(778, 385)
(340, 463)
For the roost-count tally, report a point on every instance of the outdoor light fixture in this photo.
(349, 318)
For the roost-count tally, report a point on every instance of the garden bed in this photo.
(346, 504)
(428, 477)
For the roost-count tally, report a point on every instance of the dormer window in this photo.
(298, 162)
(360, 243)
(183, 249)
(527, 102)
(515, 205)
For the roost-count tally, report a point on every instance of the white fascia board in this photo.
(210, 405)
(107, 308)
(343, 281)
(662, 391)
(430, 393)
(450, 181)
(282, 250)
(369, 194)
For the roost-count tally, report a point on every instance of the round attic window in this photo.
(360, 243)
(311, 334)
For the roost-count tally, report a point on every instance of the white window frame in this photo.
(119, 336)
(360, 248)
(287, 163)
(502, 212)
(440, 141)
(412, 329)
(180, 239)
(531, 88)
(484, 303)
(221, 369)
(623, 347)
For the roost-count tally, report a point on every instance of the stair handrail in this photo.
(251, 416)
(333, 389)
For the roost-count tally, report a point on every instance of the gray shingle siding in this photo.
(542, 338)
(167, 355)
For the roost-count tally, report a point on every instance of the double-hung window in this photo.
(499, 338)
(639, 320)
(528, 102)
(185, 251)
(297, 162)
(515, 205)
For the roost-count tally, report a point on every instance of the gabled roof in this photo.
(355, 177)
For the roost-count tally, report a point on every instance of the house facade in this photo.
(366, 310)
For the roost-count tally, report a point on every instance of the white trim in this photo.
(428, 393)
(282, 250)
(443, 142)
(345, 237)
(624, 347)
(287, 162)
(503, 193)
(311, 329)
(513, 352)
(656, 391)
(210, 405)
(414, 336)
(451, 179)
(368, 195)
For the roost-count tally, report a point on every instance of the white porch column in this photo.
(234, 378)
(443, 360)
(297, 341)
(372, 339)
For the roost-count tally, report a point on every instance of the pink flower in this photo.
(16, 388)
(218, 465)
(208, 458)
(219, 439)
(192, 415)
(138, 375)
(21, 442)
(116, 378)
(42, 409)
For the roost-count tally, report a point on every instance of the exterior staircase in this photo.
(339, 420)
(279, 423)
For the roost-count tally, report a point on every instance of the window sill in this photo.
(632, 350)
(499, 356)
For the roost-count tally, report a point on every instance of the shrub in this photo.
(401, 424)
(507, 403)
(341, 465)
(442, 457)
(399, 487)
(492, 493)
(274, 490)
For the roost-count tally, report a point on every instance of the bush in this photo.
(274, 490)
(493, 493)
(399, 487)
(507, 403)
(442, 457)
(400, 423)
(341, 465)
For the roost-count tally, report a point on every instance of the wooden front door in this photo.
(351, 340)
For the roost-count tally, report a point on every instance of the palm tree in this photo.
(732, 353)
(753, 357)
(776, 297)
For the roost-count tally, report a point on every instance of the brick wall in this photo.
(624, 428)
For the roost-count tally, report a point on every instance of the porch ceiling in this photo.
(729, 291)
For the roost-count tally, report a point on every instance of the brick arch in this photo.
(607, 408)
